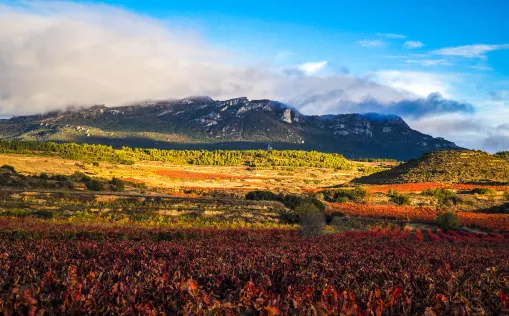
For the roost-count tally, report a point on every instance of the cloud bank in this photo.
(58, 54)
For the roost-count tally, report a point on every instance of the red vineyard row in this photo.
(267, 272)
(418, 187)
(495, 222)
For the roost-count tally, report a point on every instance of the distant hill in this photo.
(204, 123)
(446, 166)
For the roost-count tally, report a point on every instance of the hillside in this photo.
(204, 123)
(453, 166)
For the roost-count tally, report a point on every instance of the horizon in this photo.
(330, 58)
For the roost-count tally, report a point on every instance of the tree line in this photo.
(128, 155)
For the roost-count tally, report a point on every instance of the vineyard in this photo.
(496, 222)
(418, 187)
(73, 269)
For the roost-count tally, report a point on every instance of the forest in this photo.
(128, 155)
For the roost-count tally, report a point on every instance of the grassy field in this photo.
(187, 177)
(185, 239)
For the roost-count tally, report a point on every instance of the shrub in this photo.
(45, 214)
(448, 221)
(341, 224)
(291, 201)
(306, 208)
(312, 224)
(260, 195)
(444, 197)
(483, 191)
(331, 216)
(95, 164)
(438, 193)
(94, 185)
(345, 195)
(80, 177)
(9, 168)
(68, 185)
(59, 177)
(398, 198)
(117, 184)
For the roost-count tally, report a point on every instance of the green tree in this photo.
(448, 221)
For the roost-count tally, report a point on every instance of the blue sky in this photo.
(319, 56)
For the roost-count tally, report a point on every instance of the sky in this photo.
(441, 65)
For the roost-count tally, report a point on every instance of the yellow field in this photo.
(167, 176)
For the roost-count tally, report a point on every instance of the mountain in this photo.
(204, 123)
(446, 166)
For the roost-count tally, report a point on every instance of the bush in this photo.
(438, 193)
(9, 168)
(444, 197)
(341, 224)
(448, 221)
(330, 217)
(68, 185)
(260, 195)
(45, 214)
(95, 164)
(398, 198)
(80, 177)
(59, 177)
(44, 176)
(306, 208)
(291, 201)
(312, 224)
(94, 185)
(117, 184)
(484, 191)
(345, 195)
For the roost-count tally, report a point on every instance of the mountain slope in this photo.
(201, 122)
(446, 166)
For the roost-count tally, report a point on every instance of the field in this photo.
(192, 237)
(73, 269)
(489, 222)
(181, 177)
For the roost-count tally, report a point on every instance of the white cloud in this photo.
(371, 43)
(470, 51)
(419, 83)
(413, 44)
(429, 62)
(56, 54)
(391, 35)
(312, 67)
(483, 68)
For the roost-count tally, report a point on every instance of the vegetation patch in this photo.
(446, 166)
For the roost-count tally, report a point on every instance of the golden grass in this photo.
(167, 176)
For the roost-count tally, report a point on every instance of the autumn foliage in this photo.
(496, 222)
(64, 269)
(419, 187)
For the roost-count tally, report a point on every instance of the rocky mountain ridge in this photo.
(240, 123)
